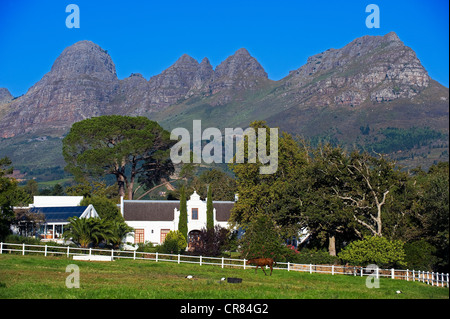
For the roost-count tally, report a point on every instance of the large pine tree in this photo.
(125, 146)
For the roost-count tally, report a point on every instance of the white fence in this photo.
(430, 278)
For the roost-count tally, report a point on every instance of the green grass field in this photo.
(44, 277)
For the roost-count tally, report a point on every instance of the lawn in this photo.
(45, 277)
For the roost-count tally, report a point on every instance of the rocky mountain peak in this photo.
(185, 59)
(84, 58)
(203, 77)
(392, 36)
(239, 71)
(241, 63)
(5, 96)
(205, 63)
(242, 52)
(80, 84)
(173, 83)
(378, 68)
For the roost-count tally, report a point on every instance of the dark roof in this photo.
(223, 210)
(150, 210)
(158, 210)
(59, 214)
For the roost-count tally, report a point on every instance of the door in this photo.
(193, 239)
(138, 236)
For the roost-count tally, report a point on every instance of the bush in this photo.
(211, 242)
(174, 243)
(16, 239)
(374, 250)
(147, 247)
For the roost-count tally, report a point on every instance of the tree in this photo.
(368, 184)
(182, 222)
(209, 211)
(106, 208)
(124, 146)
(278, 195)
(262, 239)
(118, 230)
(433, 202)
(401, 218)
(57, 190)
(156, 172)
(17, 195)
(323, 212)
(374, 250)
(32, 187)
(10, 195)
(85, 231)
(88, 189)
(420, 255)
(223, 186)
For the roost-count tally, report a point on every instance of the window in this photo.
(164, 233)
(194, 213)
(138, 236)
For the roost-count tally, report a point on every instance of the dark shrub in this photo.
(211, 242)
(420, 255)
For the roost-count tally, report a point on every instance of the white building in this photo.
(153, 219)
(56, 210)
(57, 217)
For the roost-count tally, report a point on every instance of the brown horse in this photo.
(260, 262)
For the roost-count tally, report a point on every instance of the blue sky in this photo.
(148, 36)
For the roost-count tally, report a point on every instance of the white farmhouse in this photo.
(153, 219)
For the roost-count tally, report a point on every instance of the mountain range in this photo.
(351, 95)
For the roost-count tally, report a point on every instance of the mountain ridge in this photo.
(83, 83)
(372, 81)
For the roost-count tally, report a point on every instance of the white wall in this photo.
(56, 201)
(152, 230)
